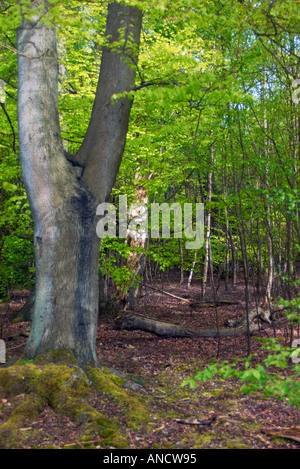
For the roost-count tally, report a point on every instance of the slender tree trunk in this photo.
(269, 234)
(234, 260)
(227, 256)
(181, 263)
(192, 271)
(259, 260)
(208, 229)
(64, 192)
(269, 287)
(288, 269)
(246, 278)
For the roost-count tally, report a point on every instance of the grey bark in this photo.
(63, 200)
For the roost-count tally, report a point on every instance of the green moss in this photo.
(217, 392)
(58, 385)
(28, 409)
(201, 441)
(107, 428)
(235, 444)
(163, 445)
(57, 357)
(65, 387)
(95, 423)
(89, 417)
(17, 379)
(107, 382)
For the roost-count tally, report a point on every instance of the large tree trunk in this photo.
(64, 192)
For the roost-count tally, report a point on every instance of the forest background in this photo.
(215, 120)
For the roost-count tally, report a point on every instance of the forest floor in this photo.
(213, 415)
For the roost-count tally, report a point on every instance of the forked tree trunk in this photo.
(64, 192)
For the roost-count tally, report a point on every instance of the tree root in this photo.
(66, 388)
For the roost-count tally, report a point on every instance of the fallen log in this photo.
(166, 329)
(253, 313)
(212, 304)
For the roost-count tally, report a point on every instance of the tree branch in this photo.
(11, 126)
(104, 142)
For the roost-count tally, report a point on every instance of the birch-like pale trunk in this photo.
(208, 257)
(137, 241)
(64, 192)
(192, 270)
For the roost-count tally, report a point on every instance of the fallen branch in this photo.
(209, 304)
(196, 422)
(212, 304)
(167, 293)
(292, 433)
(86, 442)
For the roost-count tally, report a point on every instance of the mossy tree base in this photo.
(57, 381)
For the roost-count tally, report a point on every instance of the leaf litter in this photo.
(213, 415)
